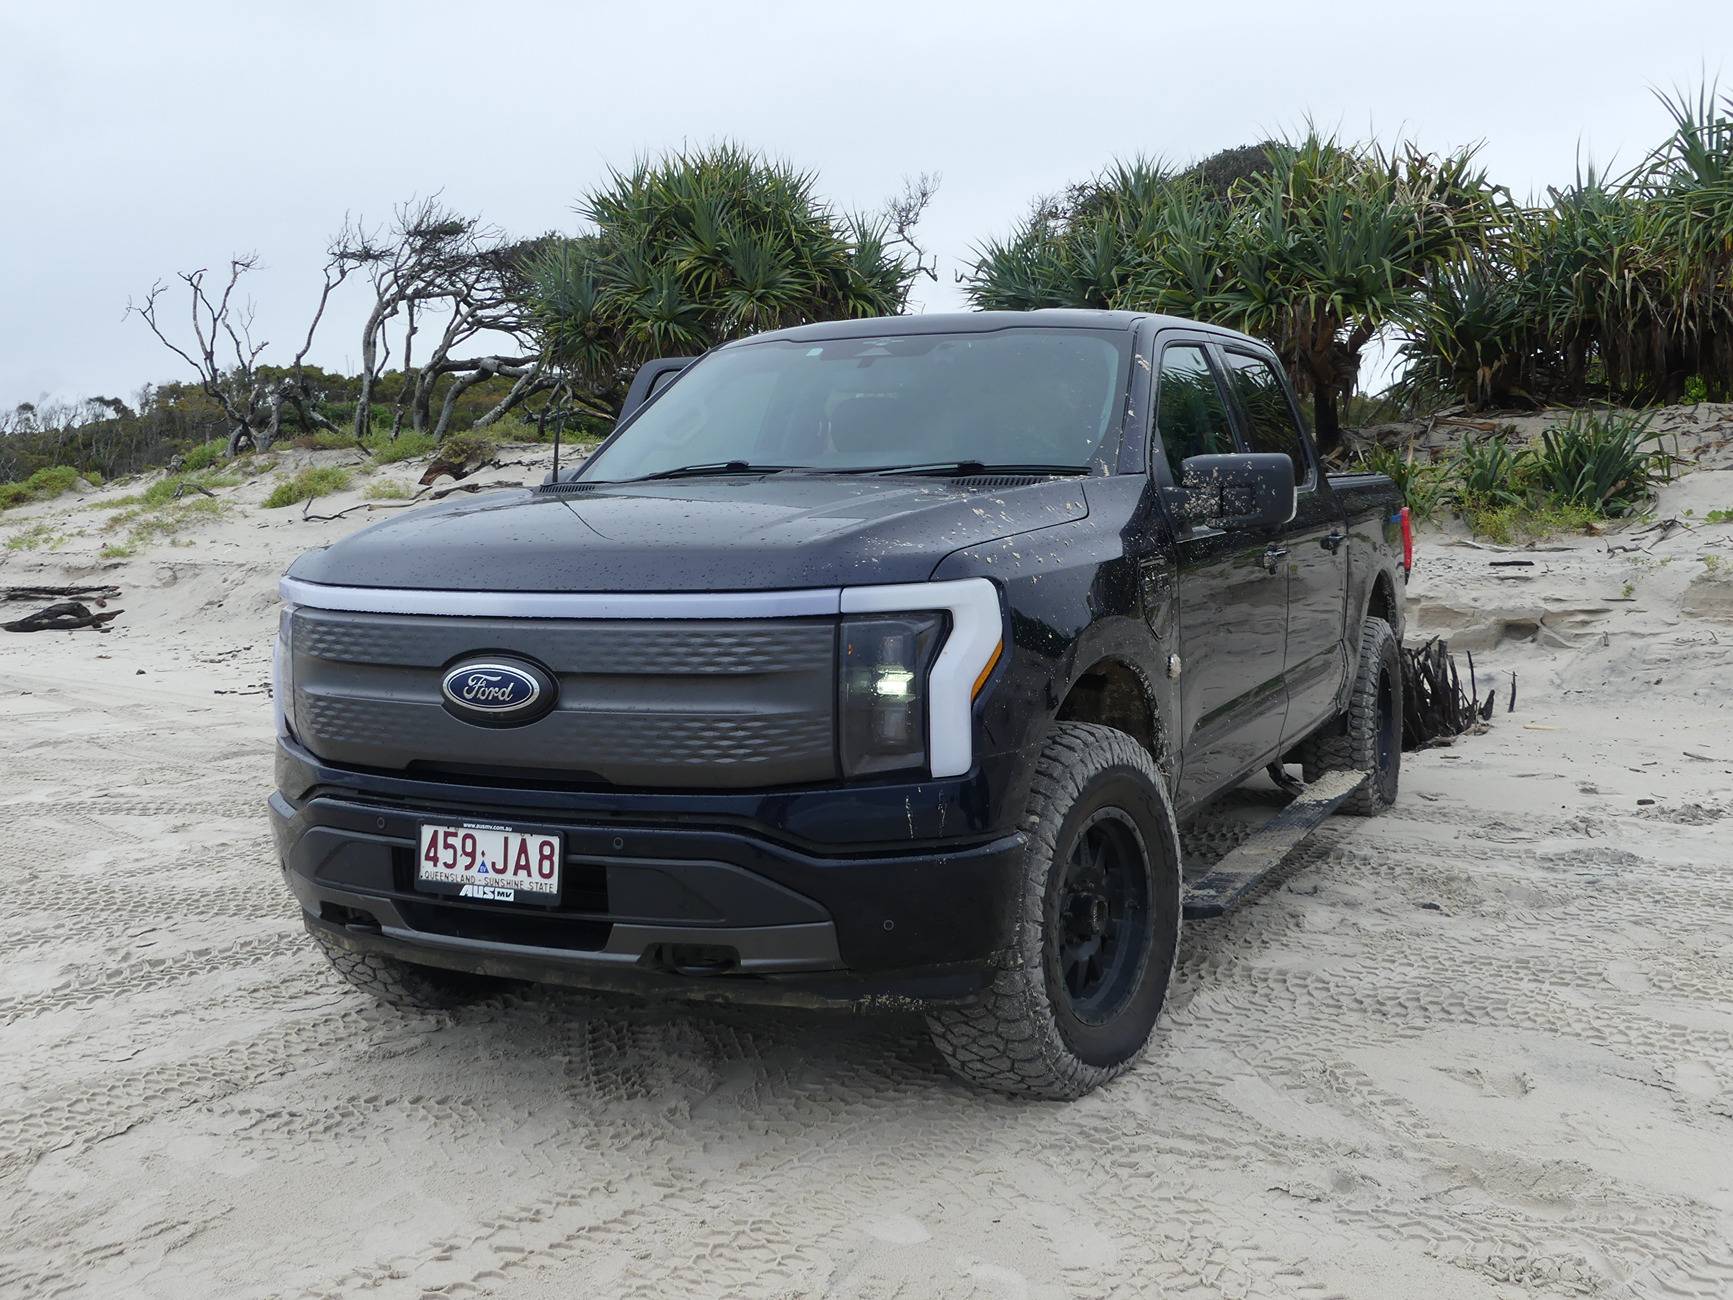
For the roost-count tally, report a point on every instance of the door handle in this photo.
(1332, 542)
(1273, 556)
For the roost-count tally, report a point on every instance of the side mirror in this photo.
(1255, 490)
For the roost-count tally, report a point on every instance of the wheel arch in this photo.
(1112, 691)
(1381, 602)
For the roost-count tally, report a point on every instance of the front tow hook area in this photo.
(352, 919)
(694, 959)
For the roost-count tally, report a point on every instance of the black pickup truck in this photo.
(871, 664)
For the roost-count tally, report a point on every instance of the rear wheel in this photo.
(1368, 737)
(1096, 926)
(402, 984)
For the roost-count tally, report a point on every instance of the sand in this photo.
(1479, 1047)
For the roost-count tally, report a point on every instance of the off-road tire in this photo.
(1021, 1035)
(1352, 741)
(402, 984)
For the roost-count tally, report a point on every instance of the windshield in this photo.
(1014, 396)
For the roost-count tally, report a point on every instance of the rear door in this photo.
(1232, 609)
(1313, 548)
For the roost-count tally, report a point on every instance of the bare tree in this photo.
(225, 356)
(435, 270)
(903, 213)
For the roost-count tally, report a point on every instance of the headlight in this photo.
(883, 674)
(910, 681)
(283, 673)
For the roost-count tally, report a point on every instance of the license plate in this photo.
(493, 863)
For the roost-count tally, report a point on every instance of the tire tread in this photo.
(1008, 1038)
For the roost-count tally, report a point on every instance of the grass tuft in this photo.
(38, 537)
(315, 481)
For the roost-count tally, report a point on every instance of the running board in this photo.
(1243, 868)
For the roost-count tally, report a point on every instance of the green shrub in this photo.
(1718, 517)
(407, 445)
(1489, 473)
(315, 481)
(172, 487)
(49, 481)
(52, 481)
(1696, 390)
(1525, 521)
(205, 455)
(1605, 462)
(471, 445)
(387, 491)
(1422, 486)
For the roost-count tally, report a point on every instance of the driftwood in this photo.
(1435, 708)
(67, 616)
(98, 594)
(420, 498)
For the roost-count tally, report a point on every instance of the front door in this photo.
(1314, 546)
(1232, 608)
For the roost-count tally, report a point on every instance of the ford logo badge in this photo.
(498, 693)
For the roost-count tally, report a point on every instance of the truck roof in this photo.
(965, 322)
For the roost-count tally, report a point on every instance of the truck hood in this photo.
(713, 534)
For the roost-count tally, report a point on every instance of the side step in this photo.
(1241, 870)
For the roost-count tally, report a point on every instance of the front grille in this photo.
(644, 703)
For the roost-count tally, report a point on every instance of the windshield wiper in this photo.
(713, 467)
(970, 468)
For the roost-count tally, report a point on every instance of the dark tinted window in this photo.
(1191, 417)
(1270, 424)
(1010, 396)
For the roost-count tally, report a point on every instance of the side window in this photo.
(1190, 415)
(1270, 423)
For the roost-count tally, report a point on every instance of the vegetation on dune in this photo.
(157, 520)
(1592, 466)
(314, 481)
(37, 537)
(50, 481)
(1615, 289)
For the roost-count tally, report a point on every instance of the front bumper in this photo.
(657, 898)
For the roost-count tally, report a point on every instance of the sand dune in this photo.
(1479, 1047)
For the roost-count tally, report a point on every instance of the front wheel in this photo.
(1096, 926)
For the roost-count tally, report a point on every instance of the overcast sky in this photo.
(146, 138)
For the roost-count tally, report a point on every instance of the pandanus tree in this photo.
(1318, 250)
(1614, 286)
(697, 248)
